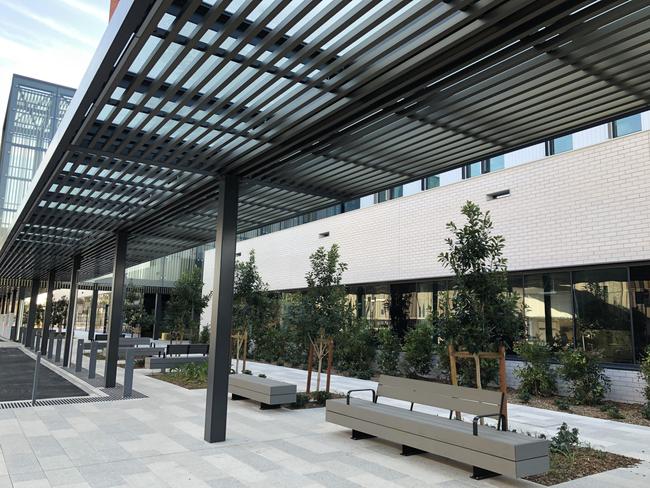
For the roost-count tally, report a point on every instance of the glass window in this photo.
(397, 192)
(382, 196)
(640, 282)
(431, 182)
(627, 125)
(375, 307)
(603, 313)
(561, 144)
(424, 300)
(549, 310)
(352, 205)
(472, 170)
(496, 163)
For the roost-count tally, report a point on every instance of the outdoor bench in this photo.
(490, 451)
(270, 393)
(162, 363)
(186, 349)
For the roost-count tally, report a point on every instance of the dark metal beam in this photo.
(216, 409)
(47, 319)
(31, 317)
(117, 305)
(72, 307)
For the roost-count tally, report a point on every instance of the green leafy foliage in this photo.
(204, 335)
(356, 347)
(261, 375)
(186, 304)
(482, 312)
(479, 313)
(418, 349)
(320, 397)
(389, 352)
(192, 372)
(582, 370)
(563, 404)
(536, 376)
(612, 411)
(254, 307)
(524, 396)
(302, 399)
(565, 441)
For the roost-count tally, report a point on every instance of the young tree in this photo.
(482, 313)
(59, 312)
(186, 303)
(253, 306)
(134, 313)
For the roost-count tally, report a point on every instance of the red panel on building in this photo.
(113, 7)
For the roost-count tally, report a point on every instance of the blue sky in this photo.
(52, 40)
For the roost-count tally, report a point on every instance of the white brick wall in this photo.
(581, 207)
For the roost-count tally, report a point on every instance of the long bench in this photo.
(269, 393)
(488, 450)
(163, 363)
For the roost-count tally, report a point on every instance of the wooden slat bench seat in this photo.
(490, 451)
(269, 393)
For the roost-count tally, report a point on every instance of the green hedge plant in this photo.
(645, 372)
(582, 370)
(536, 376)
(418, 349)
(389, 351)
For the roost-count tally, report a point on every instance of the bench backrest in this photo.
(448, 397)
(197, 349)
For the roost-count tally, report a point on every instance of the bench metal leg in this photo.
(410, 451)
(237, 397)
(356, 435)
(481, 474)
(266, 406)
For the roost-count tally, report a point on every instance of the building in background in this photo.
(577, 240)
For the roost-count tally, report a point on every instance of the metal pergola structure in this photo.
(196, 115)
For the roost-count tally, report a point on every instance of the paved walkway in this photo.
(157, 442)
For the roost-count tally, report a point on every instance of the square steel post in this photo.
(18, 310)
(157, 317)
(31, 317)
(216, 408)
(117, 306)
(93, 313)
(47, 319)
(72, 307)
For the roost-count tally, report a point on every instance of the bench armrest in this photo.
(374, 395)
(500, 416)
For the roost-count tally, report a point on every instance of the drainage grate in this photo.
(113, 396)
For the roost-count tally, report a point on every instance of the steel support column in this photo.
(47, 319)
(18, 322)
(216, 408)
(72, 307)
(14, 291)
(117, 306)
(31, 317)
(157, 317)
(93, 313)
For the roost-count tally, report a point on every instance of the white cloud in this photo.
(52, 24)
(84, 6)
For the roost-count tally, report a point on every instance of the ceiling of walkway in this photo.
(310, 102)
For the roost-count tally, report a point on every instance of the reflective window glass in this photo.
(549, 309)
(640, 283)
(602, 304)
(627, 125)
(562, 144)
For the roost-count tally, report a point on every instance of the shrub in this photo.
(262, 375)
(204, 335)
(418, 349)
(536, 376)
(302, 399)
(565, 441)
(563, 404)
(612, 411)
(355, 348)
(389, 351)
(581, 369)
(247, 371)
(320, 397)
(192, 372)
(645, 372)
(524, 396)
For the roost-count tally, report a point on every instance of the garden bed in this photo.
(630, 412)
(583, 461)
(180, 380)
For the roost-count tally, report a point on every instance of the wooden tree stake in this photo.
(310, 360)
(330, 360)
